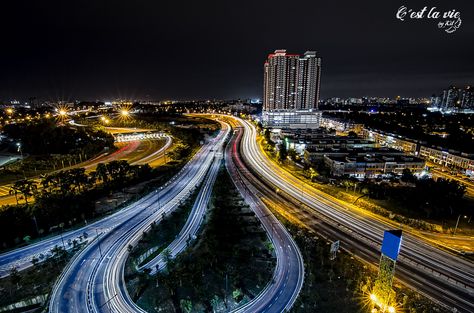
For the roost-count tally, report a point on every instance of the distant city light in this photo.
(373, 297)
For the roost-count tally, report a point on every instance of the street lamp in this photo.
(373, 297)
(457, 223)
(124, 112)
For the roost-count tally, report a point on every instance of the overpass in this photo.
(137, 136)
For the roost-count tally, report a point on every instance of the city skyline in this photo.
(251, 157)
(155, 51)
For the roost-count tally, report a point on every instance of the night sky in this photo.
(155, 50)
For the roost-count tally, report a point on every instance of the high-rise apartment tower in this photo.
(291, 81)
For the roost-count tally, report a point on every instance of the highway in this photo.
(21, 258)
(442, 172)
(439, 275)
(147, 151)
(277, 296)
(280, 294)
(194, 221)
(93, 281)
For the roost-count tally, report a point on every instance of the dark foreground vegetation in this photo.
(23, 288)
(63, 199)
(49, 146)
(231, 261)
(45, 137)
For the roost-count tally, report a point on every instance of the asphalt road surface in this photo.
(442, 276)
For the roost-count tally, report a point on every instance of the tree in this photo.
(34, 261)
(266, 135)
(407, 176)
(214, 303)
(15, 277)
(186, 305)
(15, 192)
(292, 154)
(282, 152)
(78, 177)
(26, 187)
(102, 172)
(58, 252)
(167, 257)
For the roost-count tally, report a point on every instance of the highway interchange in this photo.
(21, 258)
(94, 280)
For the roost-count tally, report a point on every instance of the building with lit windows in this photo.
(291, 90)
(291, 81)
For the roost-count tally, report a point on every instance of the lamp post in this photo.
(457, 223)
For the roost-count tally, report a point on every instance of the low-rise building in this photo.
(372, 166)
(393, 141)
(341, 125)
(291, 119)
(320, 139)
(448, 158)
(316, 154)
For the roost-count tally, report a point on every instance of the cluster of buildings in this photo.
(290, 108)
(456, 99)
(369, 101)
(350, 156)
(449, 158)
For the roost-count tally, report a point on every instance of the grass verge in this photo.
(230, 262)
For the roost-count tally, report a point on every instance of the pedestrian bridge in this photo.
(137, 136)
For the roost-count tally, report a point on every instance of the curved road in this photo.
(281, 293)
(93, 281)
(442, 276)
(21, 257)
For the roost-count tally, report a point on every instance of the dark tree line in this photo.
(63, 199)
(428, 198)
(45, 137)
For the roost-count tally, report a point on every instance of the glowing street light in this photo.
(9, 111)
(125, 112)
(62, 112)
